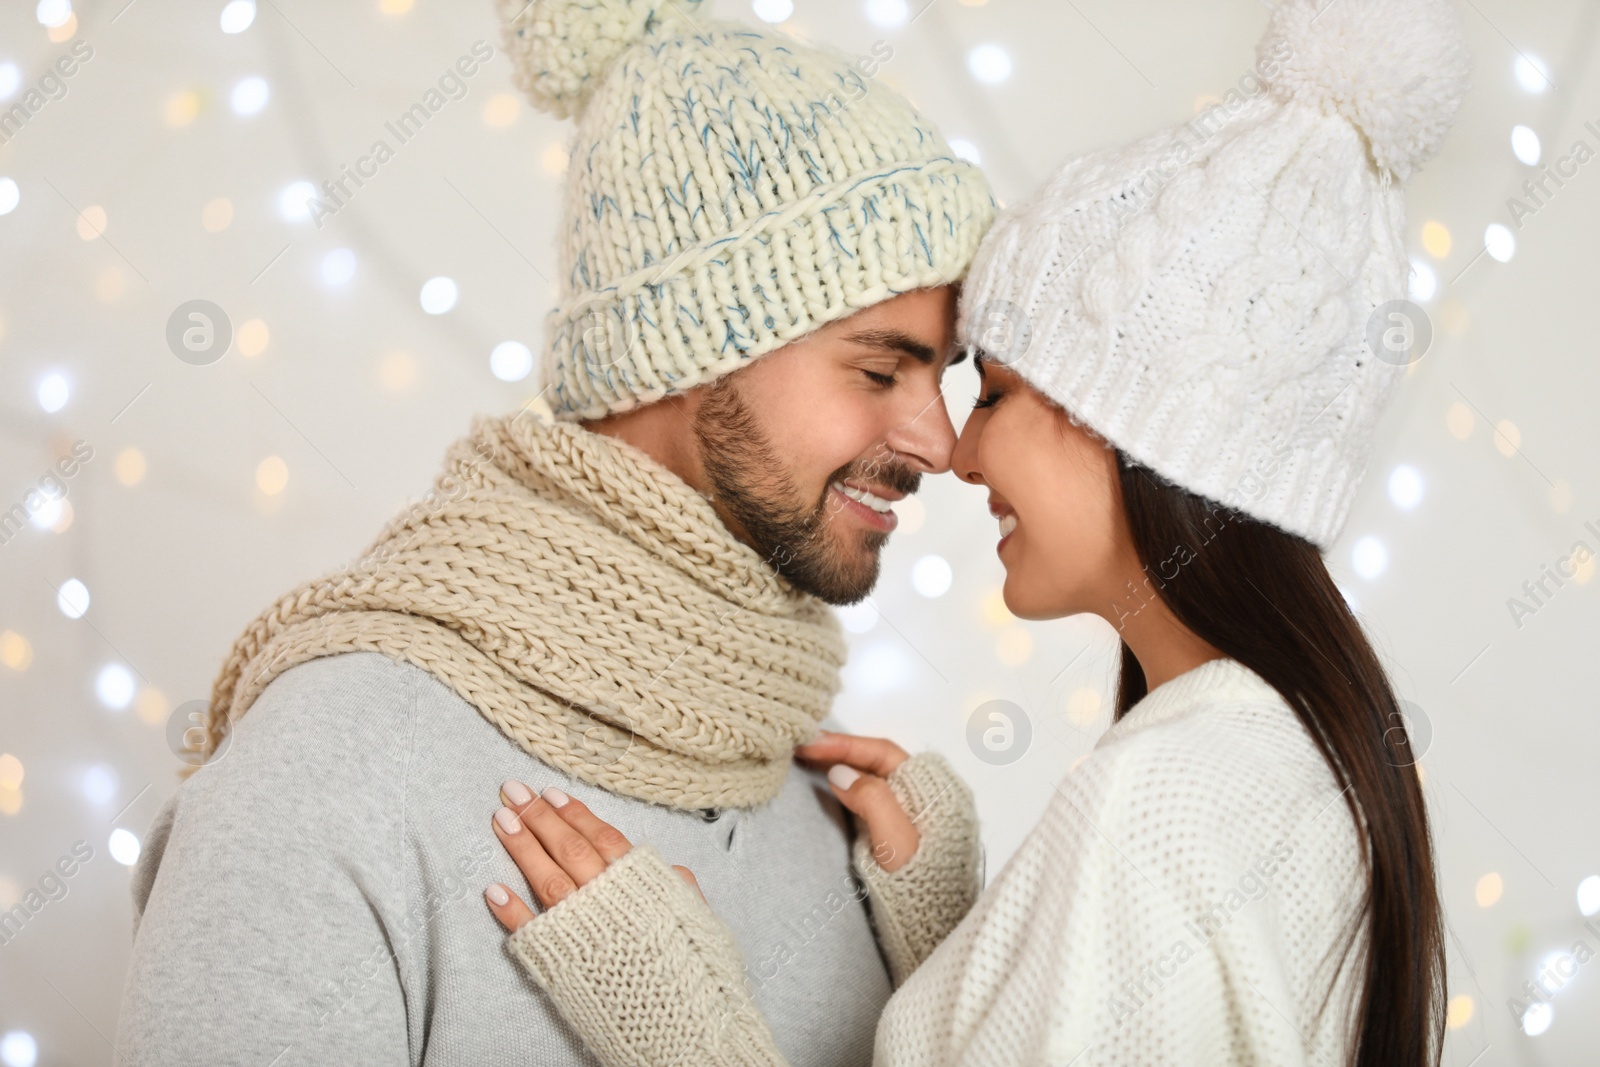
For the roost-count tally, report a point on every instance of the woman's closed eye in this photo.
(987, 400)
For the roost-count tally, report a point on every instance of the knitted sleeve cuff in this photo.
(645, 972)
(915, 907)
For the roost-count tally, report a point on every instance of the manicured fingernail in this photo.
(843, 775)
(554, 797)
(497, 895)
(516, 792)
(508, 820)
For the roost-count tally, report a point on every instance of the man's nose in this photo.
(926, 438)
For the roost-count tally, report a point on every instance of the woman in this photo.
(1173, 422)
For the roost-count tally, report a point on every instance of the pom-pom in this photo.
(1396, 69)
(561, 49)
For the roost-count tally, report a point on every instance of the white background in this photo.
(358, 390)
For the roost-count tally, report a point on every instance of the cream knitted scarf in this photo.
(590, 604)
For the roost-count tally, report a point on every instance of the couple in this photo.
(618, 616)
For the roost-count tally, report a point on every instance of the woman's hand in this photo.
(859, 767)
(558, 844)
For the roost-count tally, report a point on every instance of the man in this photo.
(619, 591)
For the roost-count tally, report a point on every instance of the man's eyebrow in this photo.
(896, 341)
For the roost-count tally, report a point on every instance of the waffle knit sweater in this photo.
(1185, 899)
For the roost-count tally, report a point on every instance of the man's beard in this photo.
(749, 483)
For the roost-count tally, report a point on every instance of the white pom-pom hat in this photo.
(1224, 300)
(729, 191)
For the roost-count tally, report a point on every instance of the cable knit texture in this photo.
(1216, 299)
(1185, 900)
(729, 191)
(917, 905)
(650, 977)
(590, 604)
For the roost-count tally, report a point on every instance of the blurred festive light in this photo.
(15, 652)
(880, 667)
(911, 514)
(10, 196)
(439, 295)
(1537, 1019)
(1013, 646)
(53, 13)
(48, 515)
(394, 7)
(182, 108)
(1459, 1012)
(217, 214)
(1525, 143)
(1436, 239)
(272, 475)
(966, 150)
(100, 783)
(124, 847)
(1424, 282)
(772, 10)
(511, 361)
(114, 686)
(502, 109)
(19, 1049)
(1083, 706)
(888, 13)
(1532, 73)
(249, 96)
(1405, 487)
(129, 466)
(64, 516)
(238, 15)
(91, 222)
(294, 203)
(53, 393)
(73, 598)
(1561, 496)
(989, 63)
(1369, 558)
(1460, 419)
(10, 79)
(993, 609)
(11, 772)
(858, 618)
(554, 159)
(1589, 895)
(252, 338)
(152, 706)
(338, 266)
(1488, 890)
(109, 285)
(931, 576)
(1500, 241)
(1507, 438)
(397, 370)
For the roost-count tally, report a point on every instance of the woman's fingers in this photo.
(688, 876)
(893, 836)
(507, 907)
(607, 841)
(870, 755)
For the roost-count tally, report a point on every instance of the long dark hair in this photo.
(1263, 597)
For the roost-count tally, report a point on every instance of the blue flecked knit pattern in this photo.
(729, 191)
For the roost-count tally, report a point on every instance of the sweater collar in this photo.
(1217, 679)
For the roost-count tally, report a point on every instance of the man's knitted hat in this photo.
(1224, 300)
(729, 191)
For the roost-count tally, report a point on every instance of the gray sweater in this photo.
(314, 895)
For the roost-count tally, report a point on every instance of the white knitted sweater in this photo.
(1184, 900)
